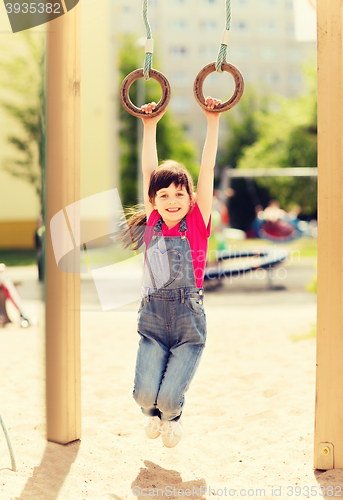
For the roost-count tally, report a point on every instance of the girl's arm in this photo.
(149, 152)
(206, 177)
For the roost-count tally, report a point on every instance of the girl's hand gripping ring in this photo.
(234, 99)
(132, 77)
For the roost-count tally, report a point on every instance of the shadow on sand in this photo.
(155, 482)
(152, 478)
(43, 484)
(330, 482)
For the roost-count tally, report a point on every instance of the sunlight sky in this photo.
(305, 20)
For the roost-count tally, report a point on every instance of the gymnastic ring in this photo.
(132, 77)
(234, 99)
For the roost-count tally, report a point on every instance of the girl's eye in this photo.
(180, 194)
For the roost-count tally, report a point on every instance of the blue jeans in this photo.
(172, 327)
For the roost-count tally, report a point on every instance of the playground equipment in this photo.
(286, 227)
(11, 293)
(282, 230)
(63, 365)
(328, 446)
(147, 72)
(227, 263)
(63, 310)
(266, 260)
(220, 65)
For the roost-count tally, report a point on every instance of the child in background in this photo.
(171, 318)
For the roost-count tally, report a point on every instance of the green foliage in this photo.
(22, 80)
(287, 137)
(243, 125)
(128, 129)
(312, 287)
(311, 334)
(172, 144)
(15, 257)
(269, 131)
(171, 140)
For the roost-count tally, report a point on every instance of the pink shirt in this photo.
(197, 236)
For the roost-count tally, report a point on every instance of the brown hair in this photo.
(169, 172)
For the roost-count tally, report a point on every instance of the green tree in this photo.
(287, 137)
(22, 78)
(243, 128)
(171, 140)
(243, 125)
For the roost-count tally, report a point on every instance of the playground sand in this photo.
(248, 419)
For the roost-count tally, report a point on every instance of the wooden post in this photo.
(63, 188)
(328, 447)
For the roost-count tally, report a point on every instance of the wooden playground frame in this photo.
(63, 289)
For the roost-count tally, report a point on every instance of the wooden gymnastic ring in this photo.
(234, 99)
(132, 77)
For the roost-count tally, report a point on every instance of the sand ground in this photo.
(248, 418)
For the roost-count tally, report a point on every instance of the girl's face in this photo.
(172, 203)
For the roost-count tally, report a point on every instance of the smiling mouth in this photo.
(173, 210)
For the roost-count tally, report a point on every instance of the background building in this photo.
(20, 206)
(187, 36)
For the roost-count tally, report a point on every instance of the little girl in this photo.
(171, 318)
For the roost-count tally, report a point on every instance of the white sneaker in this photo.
(152, 427)
(171, 433)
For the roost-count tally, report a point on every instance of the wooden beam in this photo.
(63, 379)
(328, 446)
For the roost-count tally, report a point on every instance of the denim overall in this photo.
(172, 326)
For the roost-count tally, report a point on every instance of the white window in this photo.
(178, 51)
(246, 75)
(180, 104)
(240, 27)
(271, 78)
(294, 79)
(212, 80)
(180, 79)
(153, 26)
(269, 53)
(290, 30)
(239, 52)
(209, 25)
(293, 54)
(187, 128)
(210, 52)
(269, 28)
(269, 4)
(178, 25)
